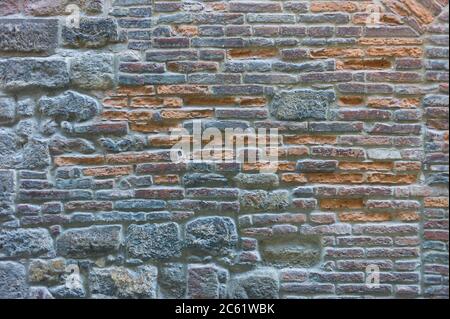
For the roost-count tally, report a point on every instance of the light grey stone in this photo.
(69, 106)
(90, 241)
(92, 71)
(301, 104)
(212, 235)
(13, 284)
(7, 110)
(121, 282)
(31, 73)
(154, 241)
(26, 243)
(259, 284)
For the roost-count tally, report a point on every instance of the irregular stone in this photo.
(29, 35)
(90, 241)
(121, 282)
(25, 129)
(72, 289)
(29, 73)
(47, 272)
(8, 7)
(26, 107)
(259, 284)
(7, 110)
(58, 7)
(9, 144)
(289, 254)
(35, 155)
(154, 241)
(213, 235)
(69, 106)
(257, 181)
(263, 200)
(26, 243)
(204, 180)
(92, 71)
(172, 281)
(13, 284)
(61, 145)
(92, 33)
(301, 104)
(203, 282)
(39, 293)
(7, 182)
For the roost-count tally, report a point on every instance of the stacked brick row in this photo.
(87, 183)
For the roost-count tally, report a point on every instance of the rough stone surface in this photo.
(260, 284)
(347, 119)
(213, 235)
(121, 282)
(93, 33)
(92, 71)
(154, 241)
(95, 240)
(26, 243)
(29, 35)
(21, 74)
(13, 281)
(300, 105)
(69, 106)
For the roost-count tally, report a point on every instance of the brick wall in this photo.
(92, 207)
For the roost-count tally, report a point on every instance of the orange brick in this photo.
(135, 158)
(337, 52)
(307, 139)
(186, 114)
(363, 64)
(333, 6)
(173, 102)
(166, 179)
(379, 178)
(361, 217)
(182, 89)
(390, 41)
(253, 101)
(115, 115)
(351, 100)
(148, 102)
(373, 166)
(292, 178)
(436, 202)
(79, 160)
(341, 203)
(136, 90)
(407, 216)
(186, 30)
(253, 53)
(414, 52)
(408, 166)
(115, 102)
(335, 178)
(388, 102)
(209, 101)
(108, 171)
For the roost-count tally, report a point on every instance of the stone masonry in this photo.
(91, 206)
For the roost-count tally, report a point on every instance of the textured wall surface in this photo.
(91, 205)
